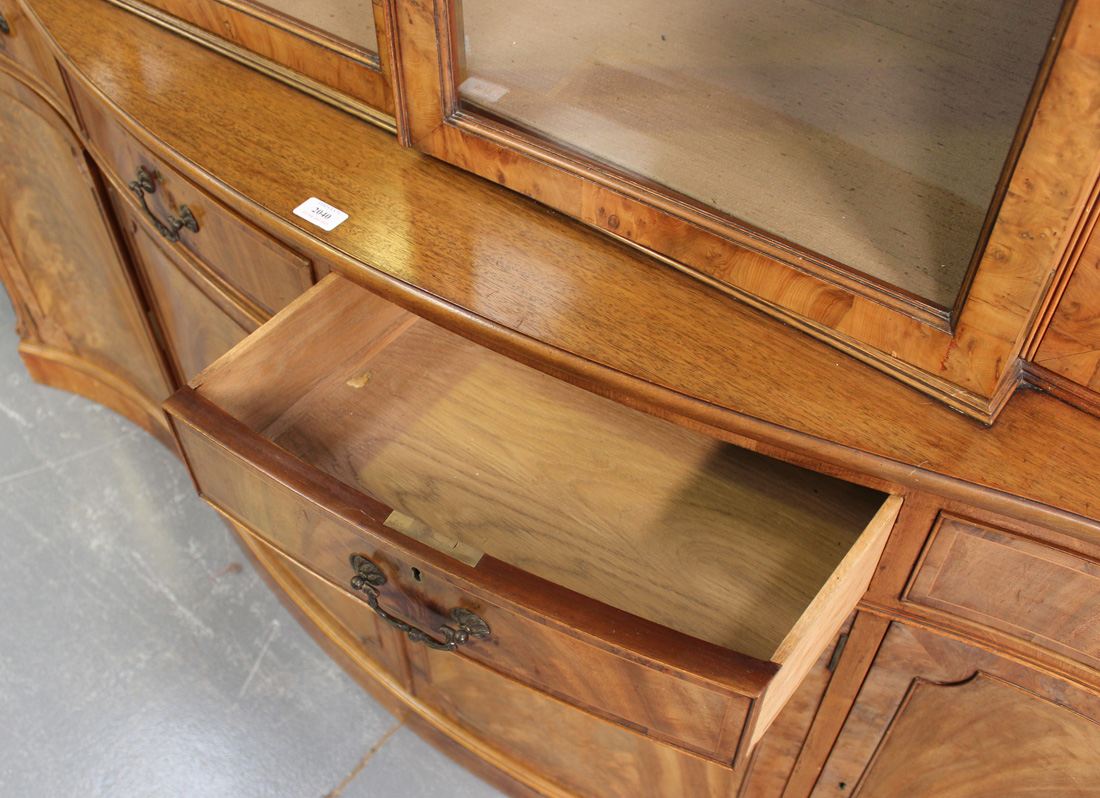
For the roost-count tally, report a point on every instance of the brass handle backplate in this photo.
(369, 577)
(171, 230)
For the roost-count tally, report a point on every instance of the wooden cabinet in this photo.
(539, 478)
(938, 717)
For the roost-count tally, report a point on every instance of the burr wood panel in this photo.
(71, 277)
(1071, 343)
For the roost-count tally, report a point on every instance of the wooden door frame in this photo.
(969, 359)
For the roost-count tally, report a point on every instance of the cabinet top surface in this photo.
(499, 268)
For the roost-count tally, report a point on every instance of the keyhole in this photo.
(417, 577)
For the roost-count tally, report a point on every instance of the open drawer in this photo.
(659, 578)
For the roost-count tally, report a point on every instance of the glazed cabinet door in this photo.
(937, 718)
(84, 327)
(332, 48)
(902, 179)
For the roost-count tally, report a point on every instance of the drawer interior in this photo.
(719, 542)
(726, 545)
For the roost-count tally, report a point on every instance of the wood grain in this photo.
(938, 717)
(61, 369)
(525, 280)
(637, 675)
(265, 273)
(1071, 344)
(25, 46)
(1034, 591)
(826, 614)
(867, 634)
(633, 512)
(774, 757)
(260, 380)
(198, 328)
(553, 737)
(350, 68)
(322, 623)
(59, 237)
(377, 640)
(1053, 751)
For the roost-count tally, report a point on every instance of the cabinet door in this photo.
(320, 45)
(901, 178)
(937, 718)
(199, 320)
(84, 326)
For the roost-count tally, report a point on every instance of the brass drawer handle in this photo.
(171, 231)
(369, 577)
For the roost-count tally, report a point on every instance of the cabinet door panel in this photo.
(197, 329)
(937, 718)
(51, 212)
(984, 737)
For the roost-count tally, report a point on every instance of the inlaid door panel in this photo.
(937, 718)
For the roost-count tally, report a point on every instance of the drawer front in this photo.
(264, 272)
(327, 605)
(534, 732)
(1041, 594)
(546, 653)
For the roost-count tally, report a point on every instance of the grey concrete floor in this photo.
(140, 654)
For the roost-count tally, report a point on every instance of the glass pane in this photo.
(873, 133)
(350, 20)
